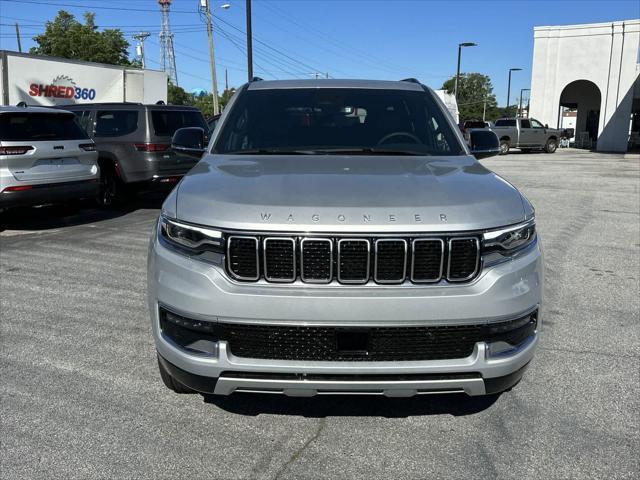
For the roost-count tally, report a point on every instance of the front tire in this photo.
(504, 147)
(170, 382)
(551, 146)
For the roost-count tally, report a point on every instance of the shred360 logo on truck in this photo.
(62, 87)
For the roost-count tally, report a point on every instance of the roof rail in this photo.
(256, 79)
(411, 80)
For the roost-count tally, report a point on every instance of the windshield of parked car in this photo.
(506, 123)
(20, 127)
(166, 122)
(335, 121)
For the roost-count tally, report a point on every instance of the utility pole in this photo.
(484, 108)
(226, 79)
(249, 42)
(141, 37)
(18, 37)
(204, 5)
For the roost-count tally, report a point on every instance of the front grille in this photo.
(427, 260)
(464, 257)
(242, 258)
(316, 260)
(283, 342)
(280, 259)
(391, 261)
(353, 260)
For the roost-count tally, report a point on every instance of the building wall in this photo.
(606, 54)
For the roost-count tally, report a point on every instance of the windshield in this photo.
(506, 123)
(20, 127)
(334, 120)
(166, 122)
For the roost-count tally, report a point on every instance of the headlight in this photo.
(191, 239)
(502, 244)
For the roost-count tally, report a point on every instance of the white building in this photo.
(593, 68)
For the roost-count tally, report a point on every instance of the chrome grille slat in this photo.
(390, 265)
(316, 260)
(383, 259)
(463, 259)
(354, 260)
(279, 259)
(243, 258)
(427, 261)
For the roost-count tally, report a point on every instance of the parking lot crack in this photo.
(295, 455)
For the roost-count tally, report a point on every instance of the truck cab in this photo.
(526, 134)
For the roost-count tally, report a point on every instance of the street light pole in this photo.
(520, 104)
(460, 45)
(249, 42)
(509, 86)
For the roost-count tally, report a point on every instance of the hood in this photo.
(345, 193)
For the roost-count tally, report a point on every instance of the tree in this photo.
(178, 96)
(204, 102)
(473, 89)
(66, 37)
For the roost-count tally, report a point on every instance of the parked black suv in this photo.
(134, 144)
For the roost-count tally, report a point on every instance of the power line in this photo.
(94, 7)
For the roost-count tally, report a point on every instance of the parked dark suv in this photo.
(134, 144)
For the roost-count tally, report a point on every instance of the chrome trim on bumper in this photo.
(309, 388)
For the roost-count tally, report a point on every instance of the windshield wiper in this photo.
(270, 151)
(370, 151)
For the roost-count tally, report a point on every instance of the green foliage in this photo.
(66, 37)
(472, 90)
(178, 96)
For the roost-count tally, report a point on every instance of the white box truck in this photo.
(47, 81)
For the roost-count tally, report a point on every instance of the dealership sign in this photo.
(62, 87)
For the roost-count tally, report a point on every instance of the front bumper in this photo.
(204, 292)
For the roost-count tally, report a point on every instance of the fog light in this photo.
(194, 336)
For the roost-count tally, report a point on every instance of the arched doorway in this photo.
(580, 106)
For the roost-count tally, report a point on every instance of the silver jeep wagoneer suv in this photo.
(339, 236)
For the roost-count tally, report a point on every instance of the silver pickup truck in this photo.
(338, 236)
(525, 134)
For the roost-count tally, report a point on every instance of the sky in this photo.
(375, 39)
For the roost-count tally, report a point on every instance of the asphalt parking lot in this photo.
(81, 395)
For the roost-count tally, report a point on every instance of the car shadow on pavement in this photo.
(49, 217)
(352, 405)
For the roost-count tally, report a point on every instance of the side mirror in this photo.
(546, 125)
(190, 141)
(484, 143)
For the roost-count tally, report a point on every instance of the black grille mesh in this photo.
(427, 258)
(279, 259)
(463, 258)
(390, 260)
(242, 260)
(316, 260)
(282, 342)
(354, 260)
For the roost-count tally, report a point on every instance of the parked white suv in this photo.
(45, 157)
